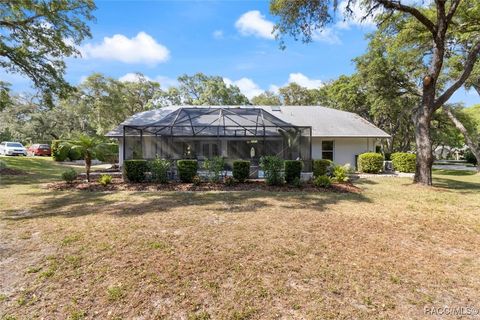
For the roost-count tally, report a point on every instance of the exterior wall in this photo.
(120, 152)
(344, 149)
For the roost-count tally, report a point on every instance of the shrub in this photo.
(134, 170)
(69, 175)
(60, 150)
(272, 166)
(74, 154)
(404, 162)
(340, 173)
(470, 157)
(159, 169)
(297, 182)
(196, 180)
(370, 162)
(105, 179)
(293, 170)
(322, 182)
(241, 170)
(187, 169)
(214, 168)
(320, 167)
(229, 181)
(3, 165)
(108, 153)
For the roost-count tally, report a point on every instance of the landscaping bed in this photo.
(119, 185)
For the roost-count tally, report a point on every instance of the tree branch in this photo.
(396, 5)
(467, 70)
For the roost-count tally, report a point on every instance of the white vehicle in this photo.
(8, 148)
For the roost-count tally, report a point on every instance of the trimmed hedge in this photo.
(159, 169)
(293, 169)
(187, 169)
(60, 151)
(370, 162)
(404, 162)
(320, 167)
(109, 153)
(134, 170)
(470, 157)
(241, 170)
(74, 154)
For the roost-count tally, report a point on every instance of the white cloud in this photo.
(166, 82)
(328, 35)
(247, 86)
(304, 81)
(218, 34)
(355, 18)
(132, 77)
(253, 23)
(142, 48)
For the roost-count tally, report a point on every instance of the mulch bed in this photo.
(120, 185)
(11, 172)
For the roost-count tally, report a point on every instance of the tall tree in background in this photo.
(437, 32)
(37, 34)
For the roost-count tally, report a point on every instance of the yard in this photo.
(387, 252)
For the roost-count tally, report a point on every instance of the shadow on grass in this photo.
(81, 203)
(465, 186)
(444, 172)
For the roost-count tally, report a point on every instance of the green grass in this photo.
(387, 252)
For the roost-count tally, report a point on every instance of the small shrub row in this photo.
(404, 162)
(370, 162)
(272, 167)
(134, 170)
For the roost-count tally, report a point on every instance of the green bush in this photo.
(320, 167)
(241, 170)
(404, 162)
(134, 170)
(60, 150)
(370, 162)
(272, 166)
(293, 170)
(3, 165)
(105, 179)
(159, 169)
(187, 169)
(69, 175)
(470, 157)
(214, 168)
(108, 153)
(322, 182)
(74, 154)
(340, 173)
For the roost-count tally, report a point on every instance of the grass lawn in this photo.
(387, 252)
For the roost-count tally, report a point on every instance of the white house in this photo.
(247, 132)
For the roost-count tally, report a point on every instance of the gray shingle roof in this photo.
(325, 122)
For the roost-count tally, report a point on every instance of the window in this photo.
(327, 150)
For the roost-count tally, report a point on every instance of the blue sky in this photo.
(164, 39)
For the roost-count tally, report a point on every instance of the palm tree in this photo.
(89, 148)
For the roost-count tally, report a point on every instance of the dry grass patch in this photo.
(387, 252)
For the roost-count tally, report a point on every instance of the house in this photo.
(247, 132)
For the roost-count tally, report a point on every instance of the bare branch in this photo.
(396, 5)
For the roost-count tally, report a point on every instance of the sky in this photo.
(232, 39)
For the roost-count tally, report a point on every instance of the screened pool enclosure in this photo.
(233, 133)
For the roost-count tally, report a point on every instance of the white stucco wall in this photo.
(344, 149)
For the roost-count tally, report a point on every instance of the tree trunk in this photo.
(423, 171)
(88, 164)
(474, 146)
